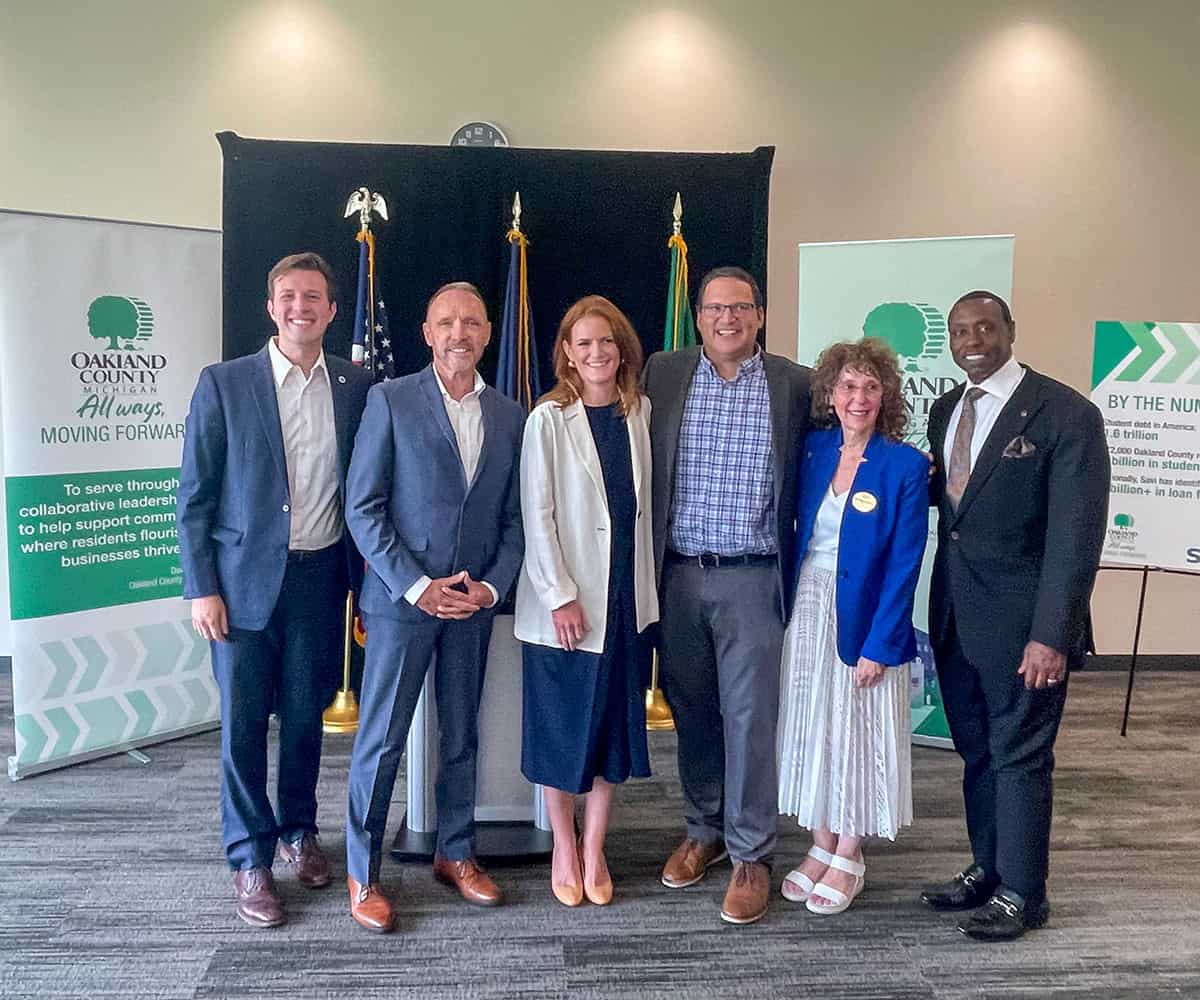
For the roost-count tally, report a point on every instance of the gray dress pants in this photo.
(722, 634)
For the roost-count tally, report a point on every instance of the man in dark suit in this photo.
(1021, 475)
(267, 565)
(726, 428)
(434, 505)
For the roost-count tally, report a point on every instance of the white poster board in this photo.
(901, 291)
(104, 327)
(1146, 383)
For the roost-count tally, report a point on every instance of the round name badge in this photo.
(864, 502)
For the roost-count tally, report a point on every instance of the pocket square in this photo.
(1019, 447)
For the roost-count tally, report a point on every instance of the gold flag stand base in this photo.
(658, 713)
(342, 714)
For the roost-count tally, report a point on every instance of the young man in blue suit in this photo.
(267, 563)
(434, 505)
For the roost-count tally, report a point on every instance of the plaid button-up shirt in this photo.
(723, 500)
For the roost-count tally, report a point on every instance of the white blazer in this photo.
(565, 510)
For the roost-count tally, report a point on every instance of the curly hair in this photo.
(569, 386)
(871, 356)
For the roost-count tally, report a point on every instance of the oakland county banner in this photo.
(901, 291)
(1146, 382)
(104, 327)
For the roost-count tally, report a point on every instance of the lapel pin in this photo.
(342, 379)
(1024, 413)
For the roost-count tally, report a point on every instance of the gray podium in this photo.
(510, 813)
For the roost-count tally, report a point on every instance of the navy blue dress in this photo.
(585, 713)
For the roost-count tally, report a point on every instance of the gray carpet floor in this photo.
(112, 885)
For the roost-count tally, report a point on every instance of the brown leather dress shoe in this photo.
(746, 897)
(258, 903)
(370, 907)
(307, 860)
(690, 861)
(469, 879)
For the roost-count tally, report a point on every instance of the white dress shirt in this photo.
(466, 419)
(998, 389)
(310, 448)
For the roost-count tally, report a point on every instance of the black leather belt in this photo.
(711, 560)
(303, 555)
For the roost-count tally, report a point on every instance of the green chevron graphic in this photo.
(1150, 350)
(174, 690)
(31, 738)
(1134, 349)
(176, 710)
(199, 649)
(66, 730)
(202, 702)
(1186, 351)
(125, 657)
(106, 721)
(96, 661)
(163, 647)
(64, 669)
(144, 711)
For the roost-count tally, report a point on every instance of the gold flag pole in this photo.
(658, 712)
(342, 715)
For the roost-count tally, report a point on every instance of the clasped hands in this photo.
(455, 597)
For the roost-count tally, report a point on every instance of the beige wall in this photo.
(1073, 125)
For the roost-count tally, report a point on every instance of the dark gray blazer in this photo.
(666, 380)
(1018, 559)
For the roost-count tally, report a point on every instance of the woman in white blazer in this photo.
(586, 592)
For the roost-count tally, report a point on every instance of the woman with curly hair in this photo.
(862, 522)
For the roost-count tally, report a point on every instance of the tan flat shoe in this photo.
(600, 893)
(568, 893)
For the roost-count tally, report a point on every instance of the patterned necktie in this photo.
(960, 455)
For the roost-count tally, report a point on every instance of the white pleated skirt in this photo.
(845, 761)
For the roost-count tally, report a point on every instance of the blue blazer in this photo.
(234, 511)
(880, 546)
(409, 505)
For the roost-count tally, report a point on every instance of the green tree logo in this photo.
(125, 322)
(1123, 521)
(916, 331)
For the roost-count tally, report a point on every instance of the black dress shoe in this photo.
(1004, 917)
(966, 891)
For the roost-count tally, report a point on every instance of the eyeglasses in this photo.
(716, 309)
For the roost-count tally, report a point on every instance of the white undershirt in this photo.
(827, 529)
(310, 448)
(466, 420)
(998, 389)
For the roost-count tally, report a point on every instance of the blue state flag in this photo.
(517, 371)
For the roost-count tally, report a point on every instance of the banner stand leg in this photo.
(1137, 638)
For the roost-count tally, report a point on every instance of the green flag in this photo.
(680, 329)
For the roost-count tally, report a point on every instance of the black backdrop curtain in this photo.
(596, 222)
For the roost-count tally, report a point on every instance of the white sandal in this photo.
(803, 881)
(840, 901)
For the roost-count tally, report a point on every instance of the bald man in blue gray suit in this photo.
(434, 505)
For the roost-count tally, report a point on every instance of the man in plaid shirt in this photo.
(727, 425)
